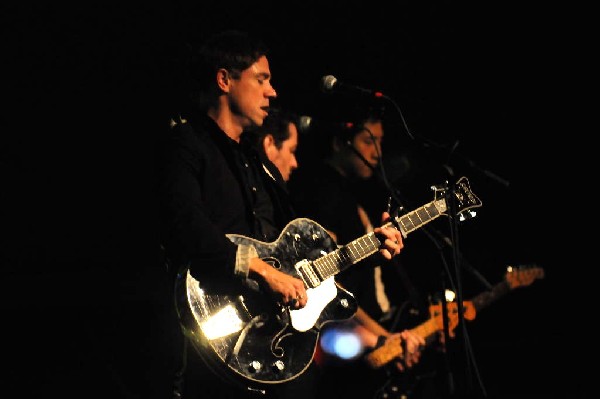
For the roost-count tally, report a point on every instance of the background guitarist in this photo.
(335, 191)
(277, 140)
(212, 183)
(397, 385)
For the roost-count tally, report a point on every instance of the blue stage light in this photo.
(344, 344)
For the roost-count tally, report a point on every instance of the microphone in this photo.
(304, 123)
(329, 83)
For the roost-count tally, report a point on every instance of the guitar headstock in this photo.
(464, 199)
(522, 276)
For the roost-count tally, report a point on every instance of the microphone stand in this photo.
(470, 363)
(440, 240)
(454, 244)
(464, 263)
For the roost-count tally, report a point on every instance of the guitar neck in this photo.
(342, 258)
(517, 277)
(365, 246)
(421, 216)
(427, 328)
(485, 298)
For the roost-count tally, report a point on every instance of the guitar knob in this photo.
(278, 366)
(255, 366)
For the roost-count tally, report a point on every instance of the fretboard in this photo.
(363, 247)
(482, 300)
(342, 258)
(420, 216)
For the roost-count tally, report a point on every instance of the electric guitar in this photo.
(401, 385)
(248, 339)
(520, 276)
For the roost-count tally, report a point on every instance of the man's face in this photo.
(369, 147)
(285, 157)
(251, 93)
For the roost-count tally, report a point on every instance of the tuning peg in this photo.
(467, 215)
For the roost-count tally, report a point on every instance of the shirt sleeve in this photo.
(242, 260)
(242, 266)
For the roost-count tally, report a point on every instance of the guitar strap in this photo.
(382, 299)
(413, 296)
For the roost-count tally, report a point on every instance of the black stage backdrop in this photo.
(89, 87)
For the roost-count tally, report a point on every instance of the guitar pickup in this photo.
(307, 274)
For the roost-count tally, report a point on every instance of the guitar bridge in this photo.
(307, 274)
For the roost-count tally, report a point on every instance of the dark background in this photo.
(87, 90)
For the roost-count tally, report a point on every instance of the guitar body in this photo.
(242, 334)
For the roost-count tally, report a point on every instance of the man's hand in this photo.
(392, 239)
(411, 344)
(286, 289)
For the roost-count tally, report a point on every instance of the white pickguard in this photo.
(304, 319)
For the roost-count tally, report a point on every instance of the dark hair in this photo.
(277, 125)
(349, 121)
(232, 50)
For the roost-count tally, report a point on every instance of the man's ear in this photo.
(269, 144)
(223, 80)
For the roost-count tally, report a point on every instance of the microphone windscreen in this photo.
(328, 82)
(304, 123)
